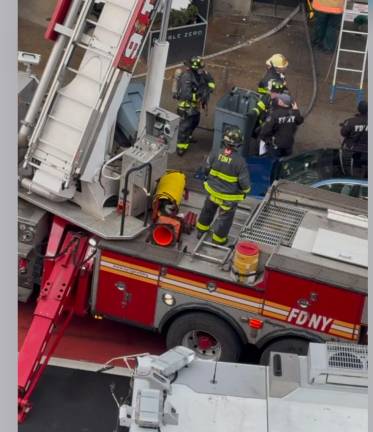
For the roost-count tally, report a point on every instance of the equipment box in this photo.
(236, 109)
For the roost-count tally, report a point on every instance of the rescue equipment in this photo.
(166, 231)
(169, 193)
(245, 262)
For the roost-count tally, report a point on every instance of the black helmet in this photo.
(232, 138)
(363, 107)
(276, 86)
(195, 63)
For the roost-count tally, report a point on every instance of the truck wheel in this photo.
(209, 336)
(290, 345)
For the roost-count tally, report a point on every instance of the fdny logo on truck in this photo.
(134, 37)
(311, 321)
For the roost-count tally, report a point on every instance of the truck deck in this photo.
(285, 225)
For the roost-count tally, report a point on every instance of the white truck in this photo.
(324, 391)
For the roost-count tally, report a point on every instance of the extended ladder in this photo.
(79, 95)
(359, 8)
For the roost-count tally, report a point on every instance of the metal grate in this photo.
(347, 356)
(273, 225)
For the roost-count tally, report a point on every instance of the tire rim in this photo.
(203, 344)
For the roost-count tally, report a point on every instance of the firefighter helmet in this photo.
(276, 86)
(195, 63)
(284, 100)
(278, 61)
(363, 107)
(232, 137)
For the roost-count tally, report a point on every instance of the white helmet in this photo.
(278, 61)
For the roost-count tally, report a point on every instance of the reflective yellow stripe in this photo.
(263, 90)
(184, 104)
(194, 97)
(261, 105)
(211, 85)
(256, 110)
(218, 239)
(215, 200)
(247, 190)
(182, 145)
(224, 197)
(224, 207)
(202, 227)
(222, 176)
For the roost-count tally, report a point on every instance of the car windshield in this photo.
(310, 167)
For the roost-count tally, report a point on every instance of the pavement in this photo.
(76, 401)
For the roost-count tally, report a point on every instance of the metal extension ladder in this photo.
(210, 247)
(359, 8)
(64, 129)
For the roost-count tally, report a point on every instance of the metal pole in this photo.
(165, 19)
(46, 77)
(156, 69)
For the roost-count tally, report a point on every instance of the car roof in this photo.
(361, 182)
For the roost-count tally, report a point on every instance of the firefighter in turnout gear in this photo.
(194, 87)
(227, 183)
(280, 126)
(355, 133)
(264, 103)
(276, 66)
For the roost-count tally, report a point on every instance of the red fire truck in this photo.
(107, 231)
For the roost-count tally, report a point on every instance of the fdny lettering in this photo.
(312, 321)
(224, 158)
(361, 128)
(286, 119)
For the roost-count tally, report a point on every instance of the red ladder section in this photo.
(54, 308)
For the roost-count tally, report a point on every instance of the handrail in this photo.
(125, 192)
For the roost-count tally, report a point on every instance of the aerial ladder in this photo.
(67, 135)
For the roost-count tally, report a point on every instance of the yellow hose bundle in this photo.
(171, 188)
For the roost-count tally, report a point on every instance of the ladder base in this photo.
(360, 93)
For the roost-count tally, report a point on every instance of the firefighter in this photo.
(328, 16)
(355, 133)
(276, 67)
(227, 183)
(264, 103)
(280, 126)
(194, 87)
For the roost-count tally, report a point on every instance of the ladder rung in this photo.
(351, 51)
(35, 165)
(49, 144)
(352, 12)
(63, 122)
(349, 70)
(78, 101)
(214, 245)
(208, 257)
(355, 32)
(95, 50)
(111, 2)
(82, 74)
(98, 25)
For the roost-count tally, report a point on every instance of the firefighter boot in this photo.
(181, 148)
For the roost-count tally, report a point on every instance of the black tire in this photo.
(205, 323)
(289, 345)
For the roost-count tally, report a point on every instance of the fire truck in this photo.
(108, 231)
